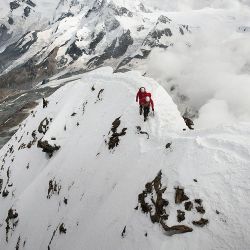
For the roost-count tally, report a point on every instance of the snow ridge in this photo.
(87, 196)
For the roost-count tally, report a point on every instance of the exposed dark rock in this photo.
(168, 145)
(157, 207)
(121, 11)
(181, 30)
(188, 205)
(47, 148)
(15, 50)
(189, 122)
(4, 35)
(99, 96)
(179, 229)
(1, 185)
(27, 10)
(74, 51)
(73, 114)
(201, 223)
(11, 21)
(54, 188)
(64, 15)
(29, 72)
(11, 222)
(97, 7)
(31, 143)
(65, 201)
(114, 139)
(142, 132)
(14, 5)
(30, 3)
(198, 201)
(124, 62)
(45, 103)
(45, 81)
(180, 196)
(163, 19)
(201, 210)
(140, 28)
(52, 237)
(62, 229)
(180, 215)
(5, 193)
(18, 243)
(44, 126)
(217, 212)
(117, 48)
(123, 232)
(195, 180)
(96, 40)
(85, 104)
(145, 54)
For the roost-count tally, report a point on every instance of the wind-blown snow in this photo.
(102, 186)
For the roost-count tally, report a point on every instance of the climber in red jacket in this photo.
(141, 95)
(147, 103)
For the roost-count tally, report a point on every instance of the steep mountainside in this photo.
(86, 172)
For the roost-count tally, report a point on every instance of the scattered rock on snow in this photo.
(47, 148)
(180, 215)
(180, 196)
(157, 207)
(11, 222)
(44, 126)
(200, 210)
(179, 229)
(198, 201)
(201, 223)
(62, 229)
(45, 103)
(99, 96)
(54, 188)
(115, 137)
(123, 232)
(188, 206)
(188, 122)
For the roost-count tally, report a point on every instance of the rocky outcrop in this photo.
(114, 139)
(47, 148)
(157, 207)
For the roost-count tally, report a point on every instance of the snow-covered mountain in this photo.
(164, 41)
(86, 172)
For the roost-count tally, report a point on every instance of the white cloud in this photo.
(215, 67)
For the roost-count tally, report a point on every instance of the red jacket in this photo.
(141, 96)
(148, 104)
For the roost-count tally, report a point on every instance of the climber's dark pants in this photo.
(146, 112)
(141, 109)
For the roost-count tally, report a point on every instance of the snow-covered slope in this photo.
(91, 193)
